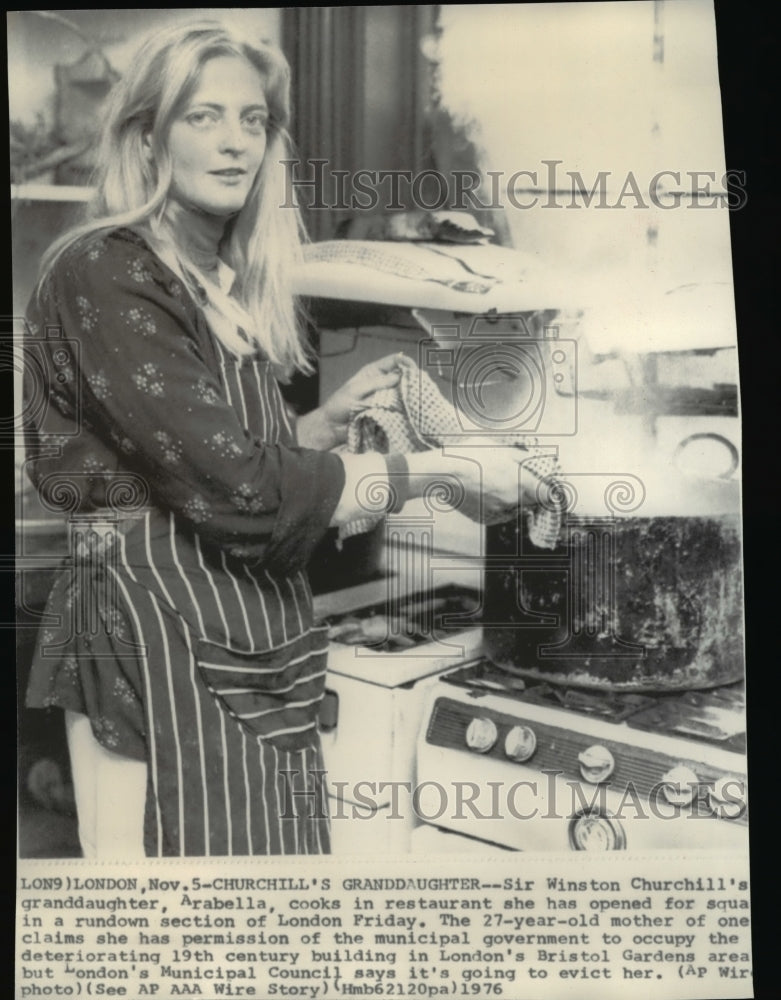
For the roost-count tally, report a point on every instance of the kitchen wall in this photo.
(622, 88)
(571, 93)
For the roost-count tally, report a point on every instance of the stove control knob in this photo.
(596, 764)
(481, 734)
(727, 797)
(520, 743)
(594, 830)
(679, 785)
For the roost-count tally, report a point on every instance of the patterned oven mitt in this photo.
(414, 416)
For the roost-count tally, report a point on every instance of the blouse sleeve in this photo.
(145, 382)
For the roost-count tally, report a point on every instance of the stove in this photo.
(528, 765)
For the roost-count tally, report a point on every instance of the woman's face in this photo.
(218, 140)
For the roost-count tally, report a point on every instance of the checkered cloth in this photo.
(414, 416)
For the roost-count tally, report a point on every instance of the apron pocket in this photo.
(275, 693)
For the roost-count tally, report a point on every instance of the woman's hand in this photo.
(494, 479)
(499, 480)
(326, 426)
(355, 394)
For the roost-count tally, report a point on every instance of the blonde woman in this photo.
(163, 324)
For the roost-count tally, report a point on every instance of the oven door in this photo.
(368, 735)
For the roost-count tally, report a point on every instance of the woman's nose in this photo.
(232, 137)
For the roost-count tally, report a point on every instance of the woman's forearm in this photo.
(363, 474)
(368, 479)
(496, 475)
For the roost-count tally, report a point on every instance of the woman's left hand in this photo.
(332, 418)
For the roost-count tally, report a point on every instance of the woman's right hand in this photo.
(326, 427)
(355, 395)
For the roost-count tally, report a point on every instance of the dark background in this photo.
(748, 54)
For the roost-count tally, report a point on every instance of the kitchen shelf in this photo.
(50, 192)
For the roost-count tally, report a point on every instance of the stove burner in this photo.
(615, 706)
(417, 619)
(605, 705)
(712, 716)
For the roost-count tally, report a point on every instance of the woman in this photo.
(186, 657)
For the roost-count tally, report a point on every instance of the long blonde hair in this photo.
(262, 242)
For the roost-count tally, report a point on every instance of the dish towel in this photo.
(414, 416)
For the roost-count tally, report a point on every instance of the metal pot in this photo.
(630, 603)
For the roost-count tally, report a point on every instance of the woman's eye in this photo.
(201, 119)
(256, 123)
(256, 120)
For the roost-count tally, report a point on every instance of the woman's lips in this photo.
(232, 175)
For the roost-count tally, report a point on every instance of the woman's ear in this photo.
(147, 145)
